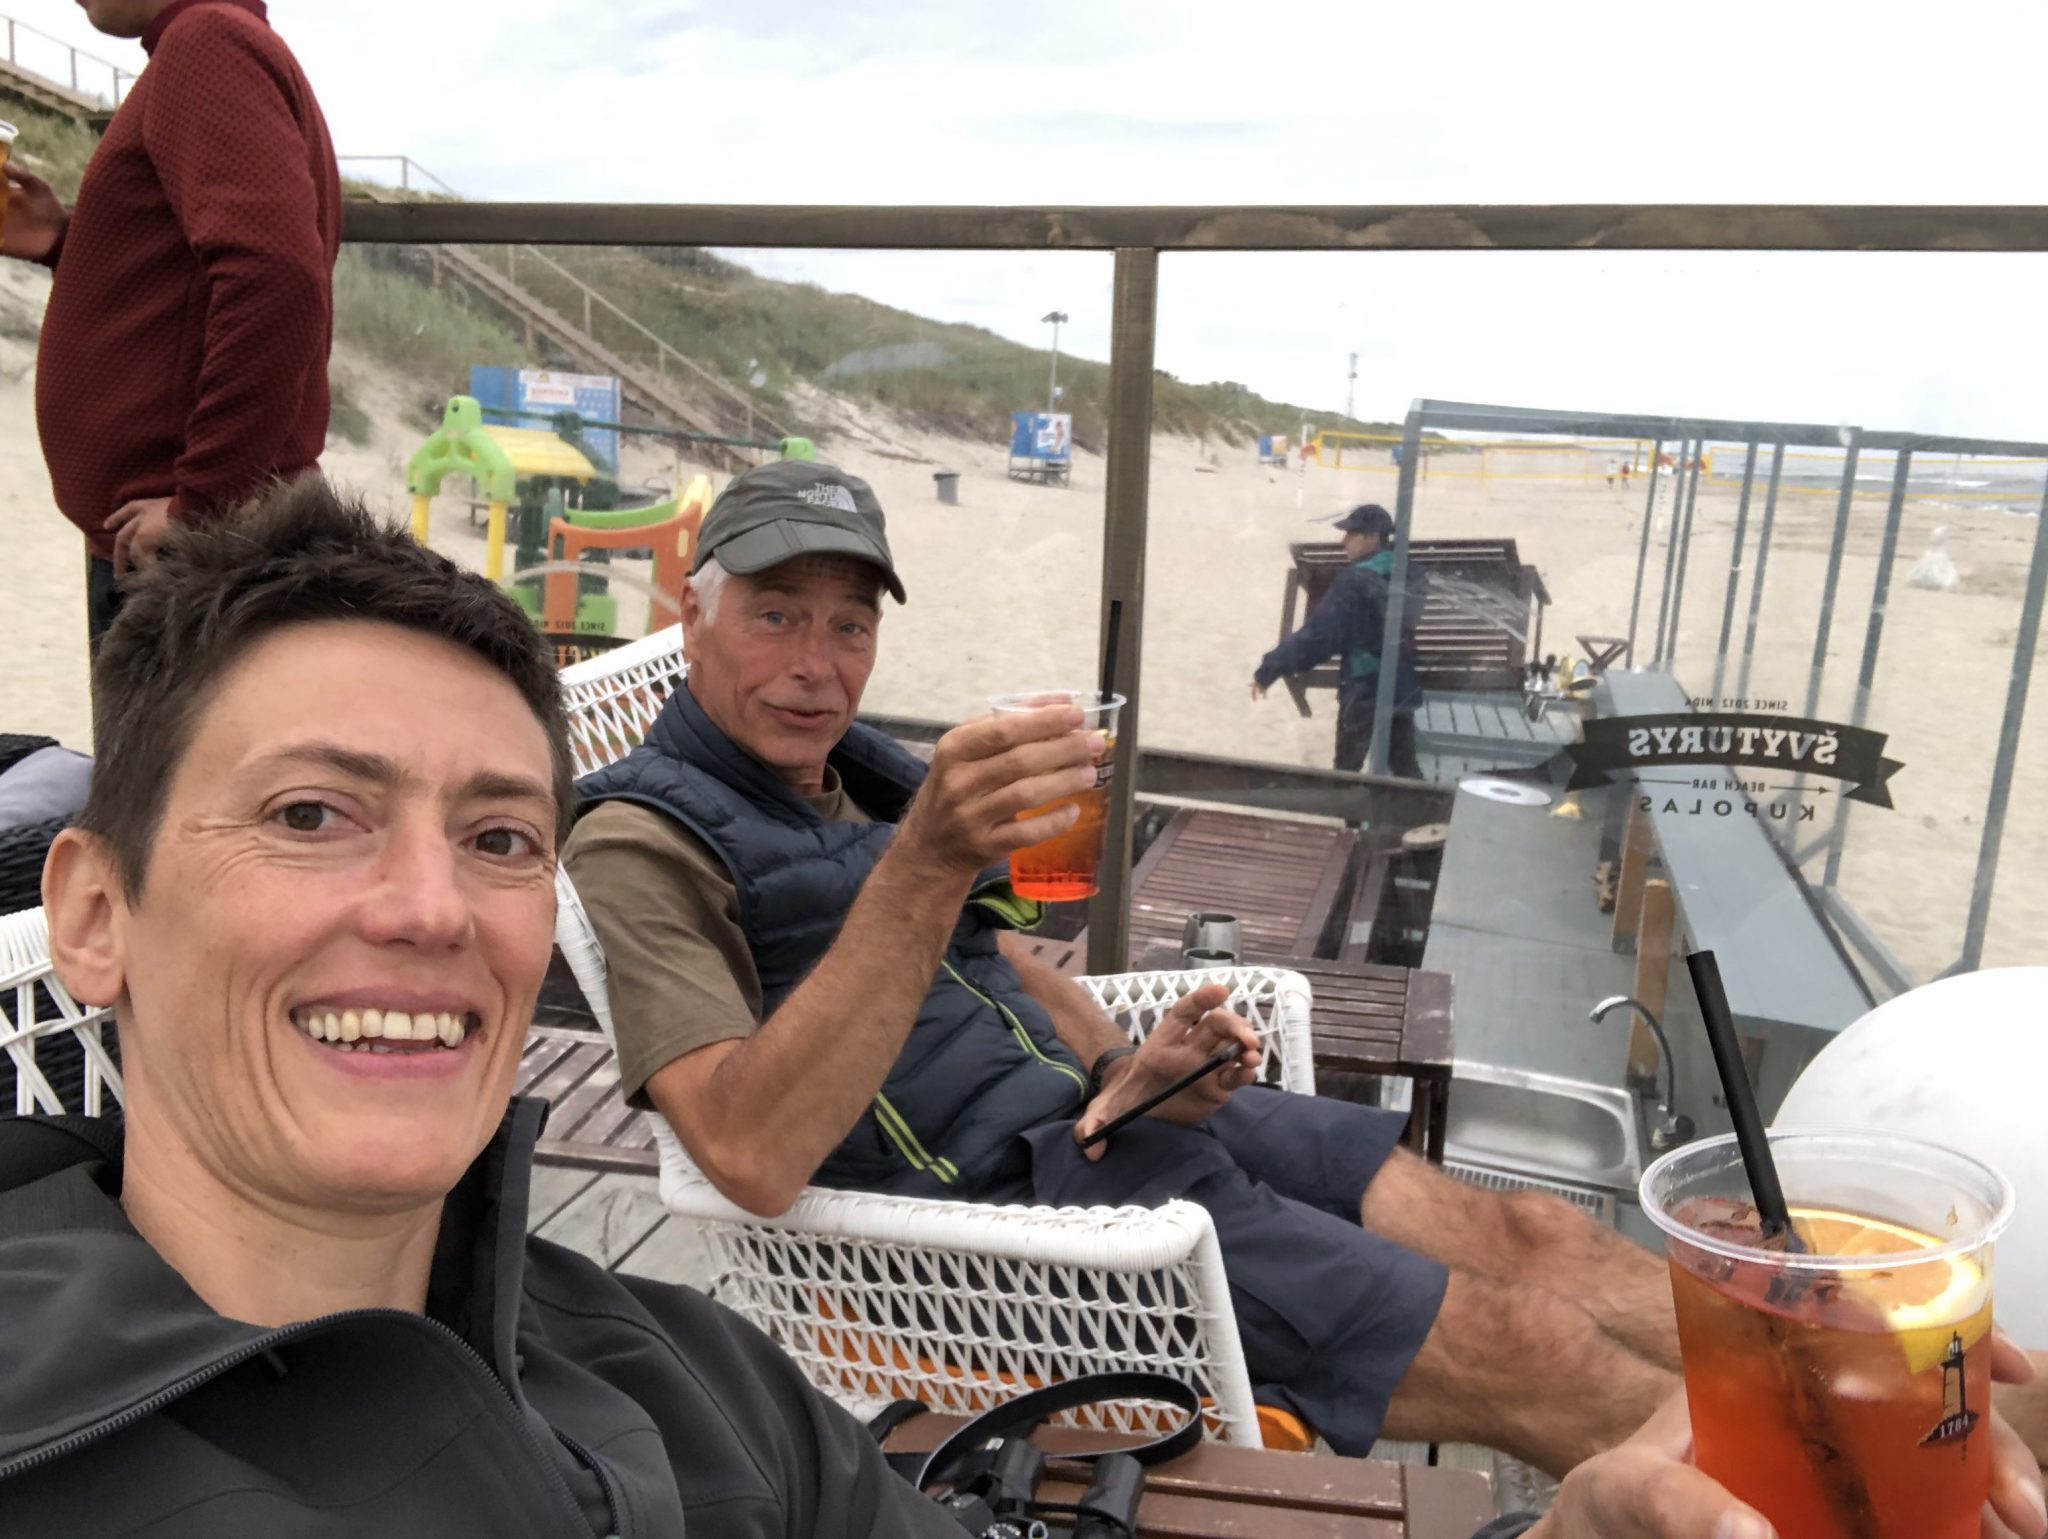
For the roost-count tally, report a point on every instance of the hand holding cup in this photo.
(999, 784)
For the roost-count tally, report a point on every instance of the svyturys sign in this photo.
(1786, 751)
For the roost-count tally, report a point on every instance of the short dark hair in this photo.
(297, 553)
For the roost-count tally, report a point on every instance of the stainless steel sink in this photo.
(1539, 1125)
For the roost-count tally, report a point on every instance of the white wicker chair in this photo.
(24, 967)
(614, 697)
(955, 1303)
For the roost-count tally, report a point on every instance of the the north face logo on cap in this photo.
(829, 494)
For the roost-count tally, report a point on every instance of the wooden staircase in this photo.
(652, 388)
(21, 81)
(638, 384)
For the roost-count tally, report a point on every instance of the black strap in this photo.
(1021, 1416)
(892, 1416)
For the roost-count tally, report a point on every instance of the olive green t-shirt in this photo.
(679, 971)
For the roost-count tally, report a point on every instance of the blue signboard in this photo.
(1042, 435)
(594, 397)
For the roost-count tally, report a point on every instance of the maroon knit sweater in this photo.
(184, 352)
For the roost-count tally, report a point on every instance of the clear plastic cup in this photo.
(1066, 867)
(1843, 1392)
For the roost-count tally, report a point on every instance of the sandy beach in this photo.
(1004, 595)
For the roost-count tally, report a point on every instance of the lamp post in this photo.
(1052, 384)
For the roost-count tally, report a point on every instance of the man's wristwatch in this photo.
(1109, 1056)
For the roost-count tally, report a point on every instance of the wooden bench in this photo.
(1222, 1492)
(1481, 621)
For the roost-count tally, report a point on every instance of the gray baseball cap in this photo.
(789, 508)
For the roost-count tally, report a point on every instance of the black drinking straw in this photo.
(1116, 620)
(1749, 1123)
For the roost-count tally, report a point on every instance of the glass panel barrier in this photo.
(1722, 598)
(684, 363)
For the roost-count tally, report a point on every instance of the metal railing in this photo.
(594, 299)
(1691, 436)
(1138, 235)
(416, 179)
(412, 176)
(118, 79)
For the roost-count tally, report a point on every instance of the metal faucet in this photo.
(1672, 1129)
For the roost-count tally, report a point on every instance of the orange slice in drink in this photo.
(1924, 1304)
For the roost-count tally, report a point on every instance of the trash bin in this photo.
(948, 483)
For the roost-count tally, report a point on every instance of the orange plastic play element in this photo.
(673, 542)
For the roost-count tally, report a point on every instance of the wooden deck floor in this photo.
(617, 1220)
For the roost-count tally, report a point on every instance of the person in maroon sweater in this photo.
(183, 361)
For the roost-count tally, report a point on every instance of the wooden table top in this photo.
(1367, 1016)
(1278, 876)
(1218, 1491)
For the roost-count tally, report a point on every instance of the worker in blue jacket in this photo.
(1350, 623)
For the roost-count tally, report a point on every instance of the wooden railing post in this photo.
(1636, 841)
(1653, 973)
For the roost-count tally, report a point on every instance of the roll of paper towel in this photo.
(1961, 1062)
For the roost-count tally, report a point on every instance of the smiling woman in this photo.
(414, 884)
(315, 878)
(316, 885)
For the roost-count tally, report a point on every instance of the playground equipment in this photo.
(495, 458)
(1041, 447)
(569, 523)
(509, 395)
(668, 529)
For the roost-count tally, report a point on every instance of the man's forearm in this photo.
(1076, 1017)
(781, 1101)
(1316, 640)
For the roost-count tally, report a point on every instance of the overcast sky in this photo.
(1326, 101)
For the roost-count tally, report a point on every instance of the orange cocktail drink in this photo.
(1843, 1391)
(1065, 867)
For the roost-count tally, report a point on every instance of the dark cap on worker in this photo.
(789, 508)
(1367, 518)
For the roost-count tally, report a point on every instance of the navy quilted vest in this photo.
(982, 1063)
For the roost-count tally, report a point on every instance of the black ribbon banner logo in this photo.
(1852, 755)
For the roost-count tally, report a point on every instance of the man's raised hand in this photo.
(988, 771)
(35, 216)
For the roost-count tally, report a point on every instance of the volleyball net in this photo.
(2011, 483)
(1587, 460)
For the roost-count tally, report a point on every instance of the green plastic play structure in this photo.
(542, 475)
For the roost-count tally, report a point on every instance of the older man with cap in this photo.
(815, 977)
(1351, 622)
